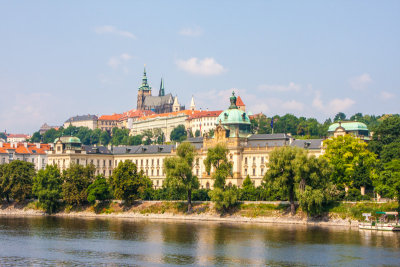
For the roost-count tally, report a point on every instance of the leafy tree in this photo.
(50, 135)
(47, 187)
(4, 181)
(3, 136)
(179, 171)
(292, 173)
(16, 181)
(104, 138)
(217, 158)
(340, 117)
(197, 133)
(224, 199)
(77, 179)
(387, 183)
(386, 139)
(127, 183)
(99, 190)
(119, 136)
(349, 156)
(248, 191)
(36, 137)
(178, 134)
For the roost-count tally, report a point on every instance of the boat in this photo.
(382, 223)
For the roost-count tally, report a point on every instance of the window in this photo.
(136, 162)
(245, 171)
(109, 163)
(104, 162)
(109, 172)
(197, 172)
(254, 172)
(141, 162)
(158, 172)
(98, 162)
(262, 160)
(77, 161)
(104, 172)
(262, 171)
(116, 163)
(152, 162)
(245, 161)
(254, 160)
(158, 162)
(33, 160)
(152, 172)
(147, 162)
(230, 156)
(208, 185)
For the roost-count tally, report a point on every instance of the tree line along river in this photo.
(109, 241)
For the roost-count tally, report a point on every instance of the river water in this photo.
(41, 241)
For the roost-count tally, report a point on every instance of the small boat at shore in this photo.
(381, 224)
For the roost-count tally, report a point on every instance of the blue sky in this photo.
(310, 58)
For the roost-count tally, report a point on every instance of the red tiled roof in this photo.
(22, 149)
(239, 102)
(113, 117)
(134, 113)
(18, 136)
(170, 114)
(203, 114)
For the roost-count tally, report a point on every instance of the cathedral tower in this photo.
(144, 90)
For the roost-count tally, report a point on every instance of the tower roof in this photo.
(145, 86)
(162, 91)
(192, 104)
(239, 102)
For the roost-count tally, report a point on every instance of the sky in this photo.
(309, 58)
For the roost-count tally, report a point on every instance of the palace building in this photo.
(249, 153)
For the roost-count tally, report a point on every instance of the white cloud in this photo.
(191, 32)
(360, 82)
(115, 61)
(112, 30)
(338, 105)
(317, 102)
(280, 88)
(293, 105)
(332, 107)
(386, 95)
(207, 66)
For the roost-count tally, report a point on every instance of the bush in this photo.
(224, 199)
(99, 190)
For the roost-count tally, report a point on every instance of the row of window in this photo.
(254, 172)
(246, 160)
(147, 161)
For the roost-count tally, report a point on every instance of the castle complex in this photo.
(159, 104)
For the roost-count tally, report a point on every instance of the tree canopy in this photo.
(16, 180)
(47, 186)
(179, 170)
(77, 179)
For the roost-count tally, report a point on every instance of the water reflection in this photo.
(94, 241)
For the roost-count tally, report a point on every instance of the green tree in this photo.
(178, 134)
(179, 171)
(386, 139)
(224, 199)
(3, 136)
(293, 174)
(104, 138)
(16, 180)
(99, 190)
(197, 133)
(340, 117)
(387, 184)
(77, 179)
(248, 191)
(348, 156)
(127, 183)
(36, 137)
(47, 187)
(217, 158)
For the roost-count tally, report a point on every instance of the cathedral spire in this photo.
(162, 91)
(192, 105)
(145, 86)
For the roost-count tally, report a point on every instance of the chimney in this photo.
(26, 144)
(1, 144)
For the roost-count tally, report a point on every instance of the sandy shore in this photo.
(10, 210)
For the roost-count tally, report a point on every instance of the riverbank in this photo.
(343, 214)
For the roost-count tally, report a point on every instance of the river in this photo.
(45, 241)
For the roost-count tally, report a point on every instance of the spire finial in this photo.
(233, 101)
(162, 91)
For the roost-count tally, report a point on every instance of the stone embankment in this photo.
(202, 212)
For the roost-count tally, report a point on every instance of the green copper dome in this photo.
(235, 120)
(349, 126)
(68, 139)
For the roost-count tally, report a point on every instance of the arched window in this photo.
(208, 185)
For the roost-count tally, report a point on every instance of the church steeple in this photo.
(145, 86)
(162, 91)
(192, 104)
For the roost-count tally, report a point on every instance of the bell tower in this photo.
(144, 90)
